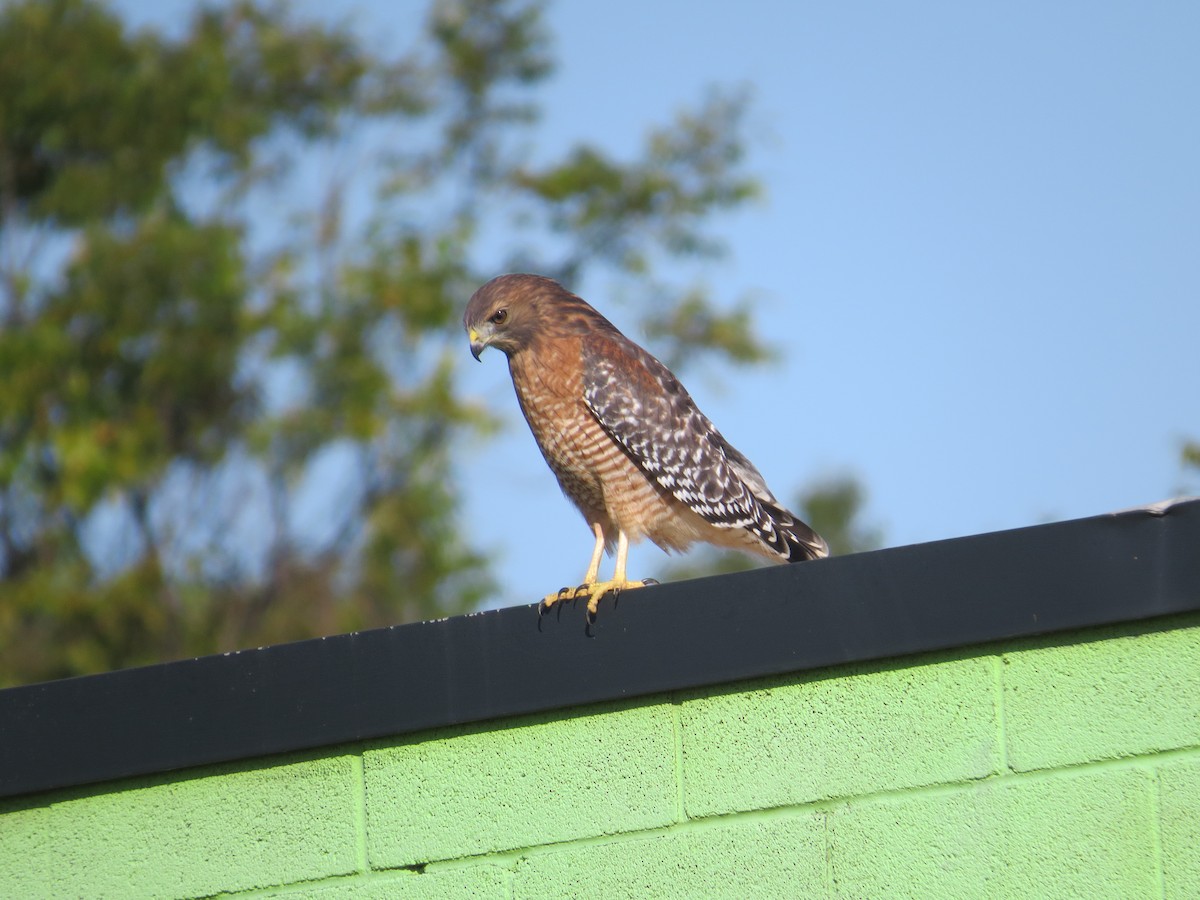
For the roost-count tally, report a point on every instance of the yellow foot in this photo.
(593, 591)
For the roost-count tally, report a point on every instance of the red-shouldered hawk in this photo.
(624, 438)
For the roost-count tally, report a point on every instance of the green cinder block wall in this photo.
(1059, 767)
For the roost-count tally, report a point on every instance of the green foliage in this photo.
(1191, 454)
(1189, 457)
(834, 508)
(185, 306)
(79, 93)
(615, 212)
(692, 324)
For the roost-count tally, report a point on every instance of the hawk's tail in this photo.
(781, 537)
(802, 542)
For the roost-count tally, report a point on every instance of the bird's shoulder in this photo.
(641, 402)
(612, 361)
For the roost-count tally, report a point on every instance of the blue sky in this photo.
(978, 254)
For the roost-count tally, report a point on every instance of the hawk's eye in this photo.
(498, 317)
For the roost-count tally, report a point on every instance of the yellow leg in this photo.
(589, 579)
(597, 552)
(593, 589)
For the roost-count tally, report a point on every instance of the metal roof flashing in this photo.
(1120, 567)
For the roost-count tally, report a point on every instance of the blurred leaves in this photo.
(1189, 458)
(692, 324)
(617, 212)
(232, 264)
(93, 118)
(834, 508)
(1191, 454)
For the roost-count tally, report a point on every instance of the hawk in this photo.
(626, 441)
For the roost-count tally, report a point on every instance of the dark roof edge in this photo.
(1121, 567)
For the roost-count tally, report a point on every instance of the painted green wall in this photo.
(1061, 768)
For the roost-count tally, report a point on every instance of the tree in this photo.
(1189, 458)
(834, 508)
(193, 329)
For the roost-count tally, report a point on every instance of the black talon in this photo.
(651, 581)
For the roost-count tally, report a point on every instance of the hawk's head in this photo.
(505, 313)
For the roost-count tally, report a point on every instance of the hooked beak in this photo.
(477, 343)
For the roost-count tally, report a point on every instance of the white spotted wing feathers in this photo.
(642, 406)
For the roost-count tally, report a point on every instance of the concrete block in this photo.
(1179, 810)
(480, 882)
(1102, 700)
(1064, 836)
(536, 781)
(193, 836)
(779, 856)
(811, 739)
